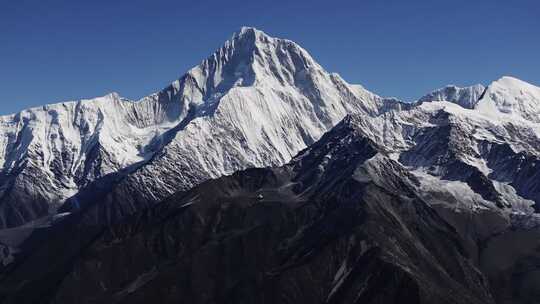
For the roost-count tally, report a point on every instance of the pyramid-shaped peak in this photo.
(250, 58)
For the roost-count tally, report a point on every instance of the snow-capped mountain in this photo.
(514, 98)
(466, 97)
(255, 102)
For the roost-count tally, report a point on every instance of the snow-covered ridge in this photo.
(512, 97)
(120, 126)
(466, 97)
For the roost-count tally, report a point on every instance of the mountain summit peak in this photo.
(252, 58)
(249, 37)
(248, 30)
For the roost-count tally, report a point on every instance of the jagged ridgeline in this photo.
(258, 177)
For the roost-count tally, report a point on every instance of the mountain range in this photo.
(258, 177)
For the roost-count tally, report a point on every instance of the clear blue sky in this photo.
(53, 51)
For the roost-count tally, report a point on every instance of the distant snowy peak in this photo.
(509, 96)
(513, 97)
(466, 97)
